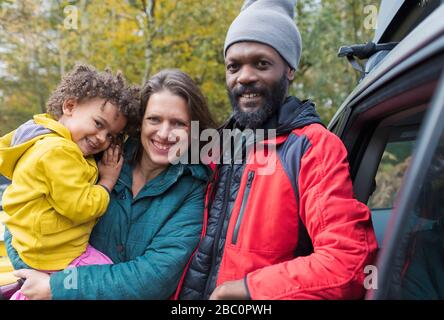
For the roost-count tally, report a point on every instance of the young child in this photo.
(54, 201)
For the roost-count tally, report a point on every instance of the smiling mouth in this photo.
(248, 96)
(249, 101)
(162, 146)
(91, 144)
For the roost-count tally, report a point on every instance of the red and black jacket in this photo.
(295, 234)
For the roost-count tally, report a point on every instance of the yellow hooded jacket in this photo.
(52, 202)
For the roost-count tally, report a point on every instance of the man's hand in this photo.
(36, 285)
(230, 290)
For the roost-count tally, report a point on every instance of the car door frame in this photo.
(427, 142)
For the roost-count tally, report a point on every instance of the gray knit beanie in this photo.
(269, 22)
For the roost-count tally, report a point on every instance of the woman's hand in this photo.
(110, 166)
(36, 285)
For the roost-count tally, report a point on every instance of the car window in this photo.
(411, 263)
(394, 162)
(388, 157)
(419, 265)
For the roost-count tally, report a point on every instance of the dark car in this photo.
(392, 125)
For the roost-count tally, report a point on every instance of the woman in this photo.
(154, 219)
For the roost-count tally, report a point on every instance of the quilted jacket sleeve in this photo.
(13, 256)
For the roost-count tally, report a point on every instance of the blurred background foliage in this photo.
(41, 40)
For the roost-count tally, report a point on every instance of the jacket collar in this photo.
(50, 123)
(163, 181)
(293, 114)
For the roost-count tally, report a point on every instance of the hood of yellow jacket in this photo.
(14, 144)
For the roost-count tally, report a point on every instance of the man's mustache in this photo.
(243, 89)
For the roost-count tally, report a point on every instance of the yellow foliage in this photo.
(37, 47)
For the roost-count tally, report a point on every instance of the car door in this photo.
(411, 262)
(380, 132)
(381, 124)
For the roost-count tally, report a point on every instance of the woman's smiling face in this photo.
(165, 128)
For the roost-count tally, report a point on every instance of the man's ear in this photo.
(290, 74)
(68, 106)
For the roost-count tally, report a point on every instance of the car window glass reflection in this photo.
(419, 267)
(391, 170)
(394, 163)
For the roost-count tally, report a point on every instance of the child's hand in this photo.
(110, 166)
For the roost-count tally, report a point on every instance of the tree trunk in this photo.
(355, 33)
(148, 10)
(42, 102)
(61, 59)
(83, 26)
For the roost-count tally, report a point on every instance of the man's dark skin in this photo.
(250, 63)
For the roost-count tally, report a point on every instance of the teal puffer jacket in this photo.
(149, 238)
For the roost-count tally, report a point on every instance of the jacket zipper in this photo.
(243, 205)
(219, 230)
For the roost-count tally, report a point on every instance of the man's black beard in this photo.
(274, 97)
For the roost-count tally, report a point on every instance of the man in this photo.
(296, 233)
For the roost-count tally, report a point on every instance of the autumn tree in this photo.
(41, 40)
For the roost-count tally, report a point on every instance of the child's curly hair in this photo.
(85, 82)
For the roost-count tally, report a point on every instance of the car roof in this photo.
(396, 61)
(387, 12)
(397, 18)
